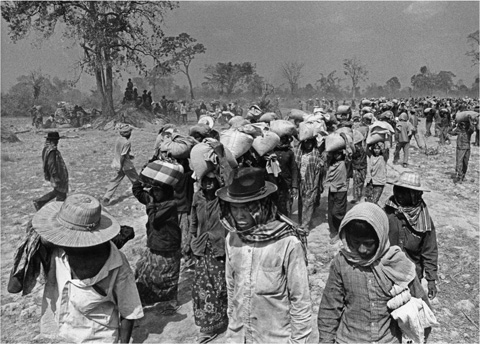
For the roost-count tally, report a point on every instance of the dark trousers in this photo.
(337, 208)
(405, 146)
(428, 125)
(443, 134)
(462, 158)
(40, 202)
(373, 192)
(477, 137)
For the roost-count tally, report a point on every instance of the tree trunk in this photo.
(109, 109)
(189, 84)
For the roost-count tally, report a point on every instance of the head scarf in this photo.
(268, 225)
(417, 216)
(389, 264)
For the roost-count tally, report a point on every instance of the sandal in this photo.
(170, 310)
(206, 337)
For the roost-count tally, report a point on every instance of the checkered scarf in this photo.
(269, 225)
(418, 216)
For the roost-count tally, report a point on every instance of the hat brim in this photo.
(408, 186)
(47, 226)
(225, 196)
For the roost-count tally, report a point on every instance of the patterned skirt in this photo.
(157, 275)
(209, 292)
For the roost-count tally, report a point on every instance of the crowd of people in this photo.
(223, 201)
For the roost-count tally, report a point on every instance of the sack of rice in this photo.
(236, 141)
(237, 121)
(160, 172)
(204, 159)
(266, 143)
(465, 116)
(357, 136)
(268, 117)
(200, 129)
(282, 127)
(375, 137)
(308, 130)
(334, 142)
(253, 129)
(346, 130)
(381, 127)
(179, 146)
(296, 114)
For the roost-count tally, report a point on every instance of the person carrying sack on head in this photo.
(90, 293)
(54, 170)
(122, 162)
(266, 268)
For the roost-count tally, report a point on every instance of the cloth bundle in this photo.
(179, 146)
(160, 172)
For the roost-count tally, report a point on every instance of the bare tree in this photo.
(356, 71)
(473, 40)
(292, 72)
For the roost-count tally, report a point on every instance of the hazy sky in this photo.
(390, 38)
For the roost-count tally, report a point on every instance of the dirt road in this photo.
(88, 156)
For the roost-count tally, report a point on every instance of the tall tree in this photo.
(356, 71)
(329, 85)
(443, 81)
(184, 48)
(225, 77)
(393, 85)
(112, 34)
(423, 82)
(473, 41)
(292, 72)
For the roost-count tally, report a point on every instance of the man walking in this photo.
(54, 170)
(122, 162)
(266, 272)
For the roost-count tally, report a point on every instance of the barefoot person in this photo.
(90, 293)
(54, 170)
(266, 272)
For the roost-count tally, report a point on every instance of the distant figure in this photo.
(129, 84)
(183, 111)
(135, 94)
(54, 170)
(164, 104)
(122, 162)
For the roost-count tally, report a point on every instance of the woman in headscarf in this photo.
(364, 276)
(412, 228)
(266, 272)
(206, 240)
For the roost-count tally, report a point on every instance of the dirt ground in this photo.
(88, 153)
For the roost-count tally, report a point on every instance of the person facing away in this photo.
(90, 293)
(54, 170)
(412, 228)
(403, 133)
(122, 162)
(367, 280)
(266, 271)
(464, 131)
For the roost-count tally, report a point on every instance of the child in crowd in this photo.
(337, 192)
(376, 176)
(464, 131)
(158, 269)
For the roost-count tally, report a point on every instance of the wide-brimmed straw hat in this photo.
(248, 185)
(79, 221)
(410, 180)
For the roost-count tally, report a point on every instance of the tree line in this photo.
(118, 36)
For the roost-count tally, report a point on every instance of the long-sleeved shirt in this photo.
(268, 292)
(404, 131)
(354, 306)
(337, 177)
(288, 178)
(54, 168)
(421, 248)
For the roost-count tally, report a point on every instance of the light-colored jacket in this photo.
(268, 291)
